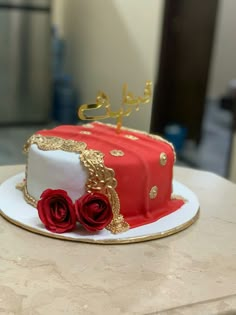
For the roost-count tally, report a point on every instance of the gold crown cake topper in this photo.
(129, 102)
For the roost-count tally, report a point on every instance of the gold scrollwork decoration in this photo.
(102, 179)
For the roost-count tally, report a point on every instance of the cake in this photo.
(90, 175)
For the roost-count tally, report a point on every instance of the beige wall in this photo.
(58, 15)
(223, 67)
(110, 42)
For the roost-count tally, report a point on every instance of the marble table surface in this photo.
(192, 272)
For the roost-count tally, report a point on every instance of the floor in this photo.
(211, 155)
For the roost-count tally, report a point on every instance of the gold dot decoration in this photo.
(85, 132)
(153, 192)
(117, 153)
(88, 126)
(163, 159)
(131, 137)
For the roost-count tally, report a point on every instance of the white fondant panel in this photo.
(56, 170)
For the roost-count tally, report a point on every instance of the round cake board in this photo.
(14, 208)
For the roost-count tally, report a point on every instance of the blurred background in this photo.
(55, 55)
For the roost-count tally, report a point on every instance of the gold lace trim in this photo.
(101, 179)
(29, 199)
(54, 143)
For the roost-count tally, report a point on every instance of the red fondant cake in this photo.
(134, 170)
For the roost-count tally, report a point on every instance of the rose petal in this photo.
(56, 211)
(93, 211)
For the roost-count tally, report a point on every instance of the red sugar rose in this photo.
(93, 211)
(56, 211)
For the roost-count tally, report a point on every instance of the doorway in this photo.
(180, 89)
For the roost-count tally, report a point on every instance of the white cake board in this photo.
(14, 208)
